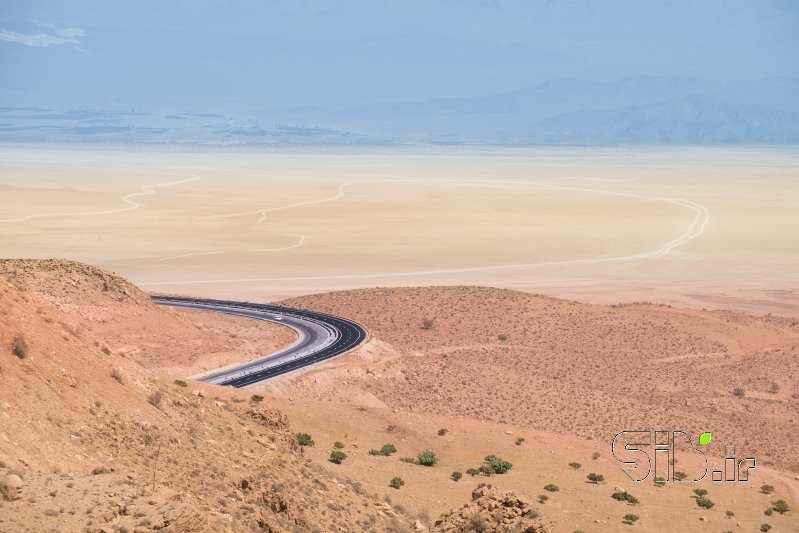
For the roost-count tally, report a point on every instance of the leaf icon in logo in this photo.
(704, 438)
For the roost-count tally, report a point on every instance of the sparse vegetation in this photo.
(738, 392)
(19, 347)
(256, 398)
(305, 439)
(766, 488)
(502, 337)
(338, 445)
(427, 323)
(396, 483)
(337, 456)
(705, 503)
(700, 492)
(630, 518)
(774, 388)
(180, 383)
(456, 476)
(472, 471)
(575, 466)
(595, 478)
(494, 465)
(410, 460)
(768, 511)
(385, 451)
(442, 432)
(595, 456)
(660, 481)
(542, 498)
(781, 506)
(519, 441)
(765, 527)
(680, 476)
(427, 458)
(624, 496)
(729, 514)
(551, 487)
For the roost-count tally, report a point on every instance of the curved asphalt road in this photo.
(320, 337)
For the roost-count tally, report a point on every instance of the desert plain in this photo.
(528, 304)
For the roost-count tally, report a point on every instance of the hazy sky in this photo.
(221, 55)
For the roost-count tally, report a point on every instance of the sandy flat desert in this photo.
(708, 228)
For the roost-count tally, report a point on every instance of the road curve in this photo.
(319, 337)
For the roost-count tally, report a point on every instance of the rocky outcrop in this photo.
(491, 511)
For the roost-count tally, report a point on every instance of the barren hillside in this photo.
(571, 368)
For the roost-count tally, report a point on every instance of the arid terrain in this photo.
(103, 437)
(712, 227)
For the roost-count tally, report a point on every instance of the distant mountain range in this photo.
(636, 110)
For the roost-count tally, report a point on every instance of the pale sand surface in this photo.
(698, 227)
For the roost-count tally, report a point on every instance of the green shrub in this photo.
(256, 398)
(729, 514)
(595, 456)
(768, 512)
(551, 488)
(388, 449)
(781, 506)
(704, 503)
(680, 476)
(337, 456)
(595, 478)
(338, 445)
(624, 496)
(408, 460)
(180, 383)
(700, 492)
(766, 489)
(542, 498)
(396, 483)
(442, 432)
(456, 476)
(497, 465)
(630, 518)
(519, 441)
(305, 439)
(19, 347)
(660, 481)
(472, 471)
(374, 452)
(427, 458)
(765, 527)
(738, 392)
(575, 466)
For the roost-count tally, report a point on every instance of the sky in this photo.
(213, 55)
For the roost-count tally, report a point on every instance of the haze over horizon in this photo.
(308, 72)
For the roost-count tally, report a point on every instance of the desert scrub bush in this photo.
(472, 471)
(19, 346)
(738, 392)
(497, 465)
(595, 478)
(456, 476)
(781, 506)
(427, 458)
(766, 489)
(155, 398)
(181, 383)
(700, 492)
(630, 518)
(338, 445)
(575, 466)
(680, 476)
(774, 388)
(337, 456)
(442, 432)
(729, 514)
(502, 337)
(256, 398)
(595, 456)
(705, 503)
(410, 460)
(765, 527)
(551, 487)
(427, 323)
(117, 375)
(396, 483)
(542, 498)
(768, 512)
(624, 496)
(388, 449)
(660, 481)
(519, 441)
(305, 439)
